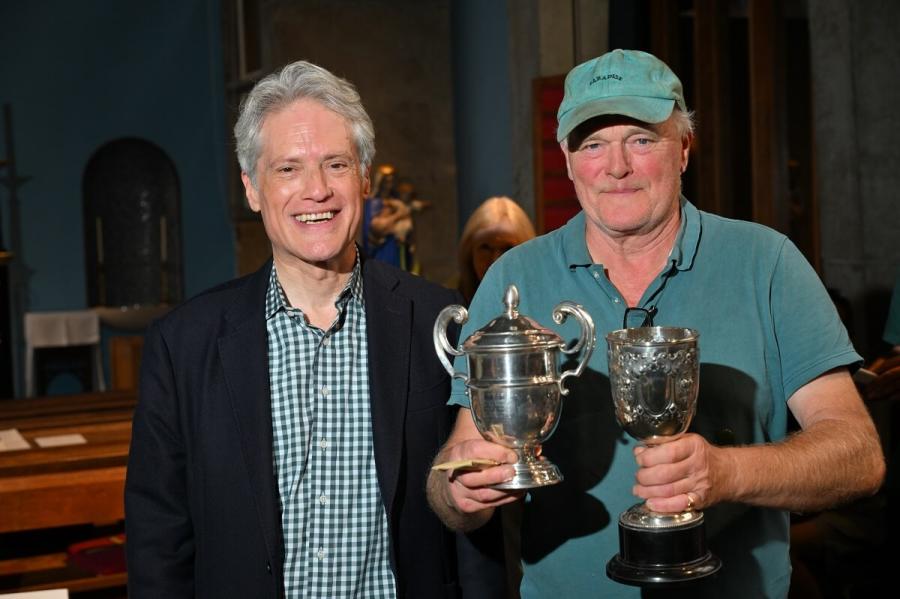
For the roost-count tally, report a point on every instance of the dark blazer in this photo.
(201, 498)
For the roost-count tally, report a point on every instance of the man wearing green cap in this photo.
(771, 345)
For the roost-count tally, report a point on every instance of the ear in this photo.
(250, 192)
(686, 142)
(366, 183)
(564, 148)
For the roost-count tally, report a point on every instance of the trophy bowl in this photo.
(654, 373)
(513, 382)
(655, 377)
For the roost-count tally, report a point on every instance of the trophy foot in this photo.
(661, 575)
(661, 549)
(531, 474)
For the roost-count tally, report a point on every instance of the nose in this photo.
(618, 161)
(315, 185)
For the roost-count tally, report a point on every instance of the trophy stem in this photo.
(532, 471)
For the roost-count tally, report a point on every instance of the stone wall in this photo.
(397, 53)
(855, 56)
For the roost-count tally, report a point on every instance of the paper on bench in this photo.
(60, 440)
(50, 594)
(11, 440)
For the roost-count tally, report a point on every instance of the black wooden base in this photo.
(662, 556)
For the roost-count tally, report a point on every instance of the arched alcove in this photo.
(132, 226)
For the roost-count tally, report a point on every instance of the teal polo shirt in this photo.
(767, 327)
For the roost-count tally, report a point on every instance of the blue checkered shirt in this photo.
(335, 528)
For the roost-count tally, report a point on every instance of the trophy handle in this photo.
(442, 345)
(586, 341)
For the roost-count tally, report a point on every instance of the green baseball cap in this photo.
(627, 82)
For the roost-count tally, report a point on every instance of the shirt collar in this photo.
(685, 248)
(276, 299)
(574, 243)
(575, 251)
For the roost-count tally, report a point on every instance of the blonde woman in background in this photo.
(498, 224)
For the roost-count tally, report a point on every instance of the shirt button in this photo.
(596, 275)
(323, 499)
(268, 567)
(616, 300)
(323, 443)
(320, 553)
(325, 391)
(326, 340)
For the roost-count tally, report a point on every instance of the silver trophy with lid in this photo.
(513, 382)
(654, 373)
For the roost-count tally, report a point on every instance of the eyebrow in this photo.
(346, 155)
(294, 158)
(631, 130)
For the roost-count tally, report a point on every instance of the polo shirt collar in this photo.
(576, 253)
(574, 245)
(685, 248)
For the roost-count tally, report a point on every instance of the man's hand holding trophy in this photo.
(515, 391)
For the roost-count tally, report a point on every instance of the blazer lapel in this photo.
(243, 352)
(388, 316)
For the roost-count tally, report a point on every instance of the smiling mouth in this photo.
(315, 217)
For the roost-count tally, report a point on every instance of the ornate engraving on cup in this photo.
(513, 381)
(654, 375)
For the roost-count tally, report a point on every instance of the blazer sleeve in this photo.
(159, 532)
(482, 566)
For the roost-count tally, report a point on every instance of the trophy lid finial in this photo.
(511, 301)
(511, 330)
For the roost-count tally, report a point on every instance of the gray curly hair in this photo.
(297, 81)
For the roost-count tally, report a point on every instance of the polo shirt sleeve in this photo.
(811, 339)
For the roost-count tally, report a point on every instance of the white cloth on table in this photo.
(62, 329)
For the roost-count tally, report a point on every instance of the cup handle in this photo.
(442, 345)
(585, 342)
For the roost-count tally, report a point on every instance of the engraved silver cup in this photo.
(654, 373)
(513, 382)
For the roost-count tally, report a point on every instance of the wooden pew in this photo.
(44, 488)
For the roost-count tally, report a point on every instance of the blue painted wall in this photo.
(79, 74)
(481, 85)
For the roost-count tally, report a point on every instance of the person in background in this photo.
(497, 225)
(287, 419)
(771, 342)
(886, 367)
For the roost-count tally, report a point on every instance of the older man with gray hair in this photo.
(287, 419)
(771, 345)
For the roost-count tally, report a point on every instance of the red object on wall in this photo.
(555, 199)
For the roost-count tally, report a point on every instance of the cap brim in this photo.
(648, 110)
